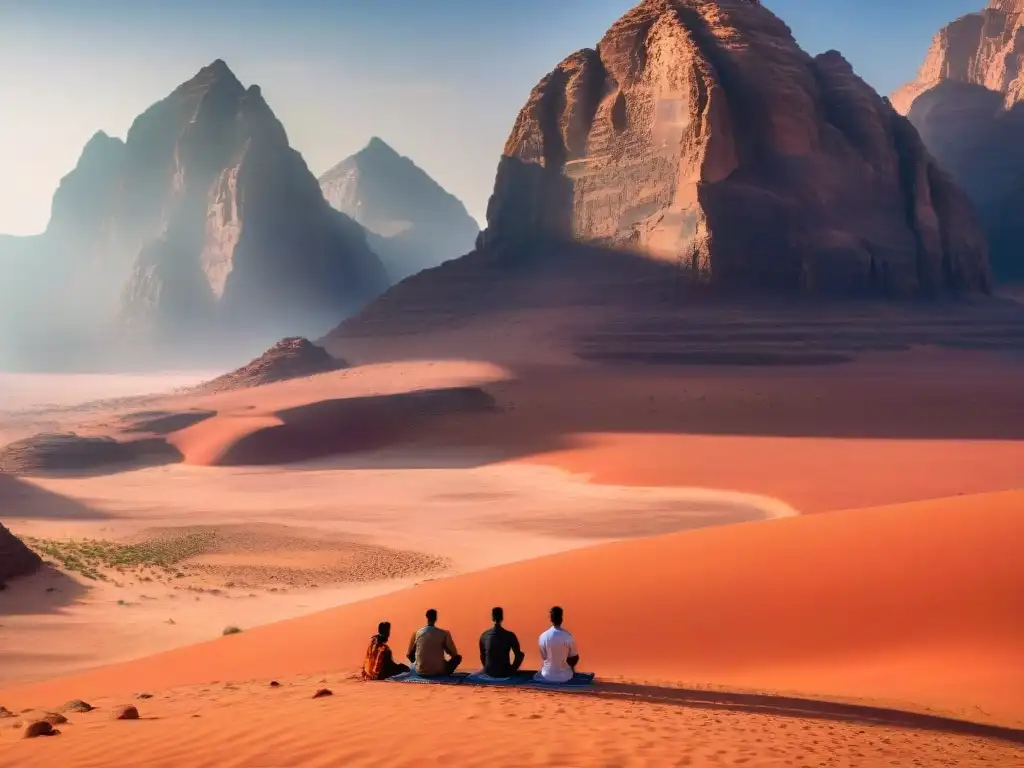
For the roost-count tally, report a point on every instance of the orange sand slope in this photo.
(374, 724)
(912, 605)
(812, 474)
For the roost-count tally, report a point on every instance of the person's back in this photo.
(379, 664)
(558, 652)
(496, 645)
(427, 649)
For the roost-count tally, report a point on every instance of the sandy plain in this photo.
(667, 508)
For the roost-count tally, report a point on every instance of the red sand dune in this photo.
(811, 474)
(860, 435)
(321, 428)
(915, 605)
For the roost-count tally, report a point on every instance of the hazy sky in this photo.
(440, 80)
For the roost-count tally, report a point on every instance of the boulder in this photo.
(77, 705)
(39, 728)
(15, 560)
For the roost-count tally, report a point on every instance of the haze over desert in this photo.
(731, 369)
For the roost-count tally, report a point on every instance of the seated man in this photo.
(379, 663)
(495, 646)
(558, 652)
(428, 648)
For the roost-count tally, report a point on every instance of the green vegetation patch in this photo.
(89, 556)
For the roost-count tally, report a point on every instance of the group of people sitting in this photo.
(432, 651)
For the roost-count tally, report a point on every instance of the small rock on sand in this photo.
(126, 713)
(39, 728)
(55, 718)
(5, 712)
(144, 696)
(274, 684)
(323, 692)
(77, 705)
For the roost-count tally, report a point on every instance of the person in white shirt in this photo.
(558, 652)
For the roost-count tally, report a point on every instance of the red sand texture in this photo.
(914, 606)
(911, 604)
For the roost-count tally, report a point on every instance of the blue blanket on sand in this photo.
(521, 679)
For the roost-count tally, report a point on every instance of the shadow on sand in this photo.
(350, 425)
(22, 499)
(790, 706)
(48, 590)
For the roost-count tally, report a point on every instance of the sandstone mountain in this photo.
(967, 105)
(694, 171)
(203, 224)
(413, 223)
(15, 558)
(698, 132)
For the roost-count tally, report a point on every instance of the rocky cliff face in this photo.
(966, 102)
(202, 224)
(413, 223)
(15, 558)
(699, 133)
(58, 287)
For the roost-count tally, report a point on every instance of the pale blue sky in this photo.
(440, 80)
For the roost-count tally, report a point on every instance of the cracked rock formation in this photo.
(411, 221)
(700, 134)
(15, 558)
(203, 224)
(967, 102)
(290, 358)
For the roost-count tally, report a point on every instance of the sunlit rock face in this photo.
(699, 133)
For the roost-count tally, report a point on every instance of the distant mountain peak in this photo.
(101, 140)
(413, 221)
(218, 67)
(216, 73)
(377, 145)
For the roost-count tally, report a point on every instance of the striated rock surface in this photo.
(700, 134)
(982, 48)
(15, 558)
(233, 225)
(966, 102)
(290, 358)
(203, 225)
(413, 223)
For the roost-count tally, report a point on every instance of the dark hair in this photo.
(556, 616)
(384, 628)
(497, 614)
(431, 616)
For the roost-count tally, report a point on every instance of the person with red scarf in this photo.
(379, 663)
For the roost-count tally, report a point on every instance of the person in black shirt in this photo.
(495, 646)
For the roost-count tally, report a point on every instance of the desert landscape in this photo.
(729, 374)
